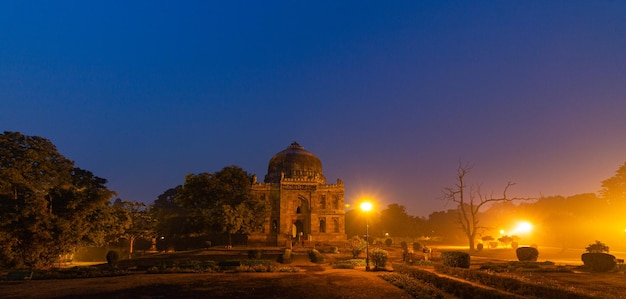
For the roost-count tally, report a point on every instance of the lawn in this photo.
(304, 280)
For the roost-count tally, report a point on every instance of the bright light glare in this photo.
(366, 206)
(523, 227)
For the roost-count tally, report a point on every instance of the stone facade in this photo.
(304, 207)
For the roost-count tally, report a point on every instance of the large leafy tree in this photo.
(137, 222)
(48, 207)
(397, 222)
(171, 217)
(614, 188)
(222, 202)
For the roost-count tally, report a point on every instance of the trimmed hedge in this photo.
(599, 261)
(113, 258)
(527, 254)
(413, 287)
(316, 256)
(501, 284)
(255, 254)
(450, 285)
(455, 259)
(285, 258)
(509, 284)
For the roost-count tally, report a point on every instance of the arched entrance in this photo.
(299, 225)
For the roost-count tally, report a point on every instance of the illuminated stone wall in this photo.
(303, 205)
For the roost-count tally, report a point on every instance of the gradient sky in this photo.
(390, 95)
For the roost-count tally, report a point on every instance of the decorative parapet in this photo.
(302, 179)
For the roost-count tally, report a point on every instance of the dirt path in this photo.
(331, 283)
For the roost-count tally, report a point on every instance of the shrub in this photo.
(599, 261)
(112, 258)
(597, 247)
(379, 258)
(285, 258)
(527, 254)
(357, 245)
(254, 254)
(316, 256)
(348, 264)
(406, 256)
(417, 246)
(505, 240)
(479, 247)
(514, 245)
(388, 242)
(455, 259)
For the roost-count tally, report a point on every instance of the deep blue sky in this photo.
(390, 95)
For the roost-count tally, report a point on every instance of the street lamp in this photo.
(366, 207)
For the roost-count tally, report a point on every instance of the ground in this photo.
(312, 281)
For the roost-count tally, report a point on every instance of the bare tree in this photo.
(469, 202)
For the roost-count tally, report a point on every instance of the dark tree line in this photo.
(48, 206)
(209, 203)
(566, 222)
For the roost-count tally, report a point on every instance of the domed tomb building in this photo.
(304, 207)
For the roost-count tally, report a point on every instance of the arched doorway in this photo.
(299, 225)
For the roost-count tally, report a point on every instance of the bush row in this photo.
(455, 259)
(513, 266)
(451, 286)
(509, 284)
(348, 264)
(416, 290)
(78, 272)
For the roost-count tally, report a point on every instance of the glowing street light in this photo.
(523, 227)
(366, 207)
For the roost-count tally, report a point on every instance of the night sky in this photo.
(390, 95)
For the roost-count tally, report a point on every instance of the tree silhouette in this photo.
(222, 202)
(49, 207)
(469, 203)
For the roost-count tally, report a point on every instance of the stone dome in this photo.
(295, 164)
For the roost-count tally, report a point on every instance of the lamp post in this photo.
(366, 207)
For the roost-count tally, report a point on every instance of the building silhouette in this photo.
(305, 209)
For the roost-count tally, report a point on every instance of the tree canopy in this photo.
(222, 202)
(614, 188)
(395, 221)
(48, 206)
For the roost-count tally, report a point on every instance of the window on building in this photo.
(336, 224)
(298, 210)
(323, 202)
(336, 203)
(322, 225)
